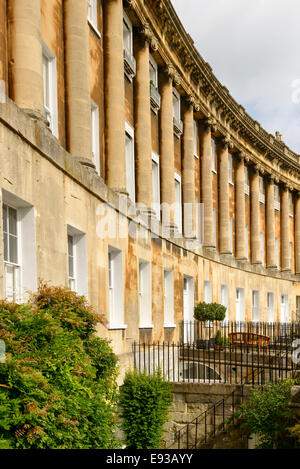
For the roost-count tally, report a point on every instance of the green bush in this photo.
(268, 416)
(145, 401)
(58, 384)
(209, 312)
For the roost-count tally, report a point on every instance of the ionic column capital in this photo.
(258, 169)
(226, 142)
(172, 73)
(148, 36)
(209, 124)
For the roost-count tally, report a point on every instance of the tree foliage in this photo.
(209, 312)
(145, 402)
(58, 383)
(268, 416)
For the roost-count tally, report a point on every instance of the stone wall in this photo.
(191, 400)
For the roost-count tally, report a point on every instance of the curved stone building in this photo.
(129, 173)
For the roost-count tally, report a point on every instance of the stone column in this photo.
(240, 215)
(297, 232)
(114, 95)
(143, 123)
(224, 198)
(206, 183)
(167, 150)
(26, 58)
(255, 216)
(3, 42)
(78, 81)
(284, 221)
(188, 170)
(270, 231)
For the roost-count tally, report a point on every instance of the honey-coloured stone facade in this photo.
(56, 174)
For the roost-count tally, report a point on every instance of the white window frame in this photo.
(207, 291)
(49, 63)
(224, 300)
(169, 321)
(15, 267)
(230, 169)
(156, 184)
(26, 246)
(213, 155)
(270, 307)
(116, 289)
(178, 203)
(196, 138)
(246, 178)
(276, 197)
(79, 281)
(284, 315)
(127, 23)
(130, 165)
(93, 15)
(145, 300)
(95, 135)
(154, 68)
(255, 306)
(262, 197)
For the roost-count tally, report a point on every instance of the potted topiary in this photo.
(209, 312)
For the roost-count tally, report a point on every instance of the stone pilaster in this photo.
(143, 122)
(255, 218)
(188, 188)
(240, 214)
(297, 232)
(26, 59)
(284, 221)
(167, 150)
(78, 81)
(114, 96)
(224, 227)
(206, 183)
(3, 41)
(270, 231)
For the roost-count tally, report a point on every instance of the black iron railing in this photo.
(231, 363)
(197, 331)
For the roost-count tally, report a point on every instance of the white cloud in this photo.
(254, 49)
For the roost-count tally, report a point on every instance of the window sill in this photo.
(146, 326)
(115, 327)
(196, 156)
(231, 183)
(95, 29)
(169, 326)
(214, 171)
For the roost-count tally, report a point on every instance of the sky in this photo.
(254, 50)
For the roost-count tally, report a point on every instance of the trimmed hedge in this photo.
(58, 385)
(145, 401)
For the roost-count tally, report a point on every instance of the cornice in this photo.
(210, 93)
